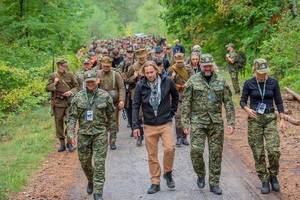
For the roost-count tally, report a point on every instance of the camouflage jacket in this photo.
(196, 106)
(101, 103)
(234, 56)
(67, 82)
(80, 78)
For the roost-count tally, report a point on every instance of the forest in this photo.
(35, 33)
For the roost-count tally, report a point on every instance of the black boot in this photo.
(178, 142)
(98, 197)
(112, 145)
(216, 190)
(274, 183)
(139, 141)
(265, 189)
(201, 182)
(153, 189)
(184, 141)
(70, 147)
(89, 188)
(62, 148)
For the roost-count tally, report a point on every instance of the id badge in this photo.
(261, 108)
(89, 115)
(212, 97)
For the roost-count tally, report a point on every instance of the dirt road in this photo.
(127, 173)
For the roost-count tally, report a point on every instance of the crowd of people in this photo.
(153, 82)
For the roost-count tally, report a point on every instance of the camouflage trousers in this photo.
(178, 125)
(93, 147)
(215, 135)
(61, 117)
(264, 128)
(234, 74)
(113, 133)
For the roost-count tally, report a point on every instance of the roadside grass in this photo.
(24, 144)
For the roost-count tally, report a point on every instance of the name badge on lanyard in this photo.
(89, 115)
(212, 97)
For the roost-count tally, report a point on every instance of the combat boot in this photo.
(265, 189)
(215, 189)
(201, 182)
(184, 141)
(112, 145)
(274, 183)
(70, 147)
(89, 188)
(178, 142)
(62, 148)
(98, 197)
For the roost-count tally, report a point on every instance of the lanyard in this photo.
(262, 94)
(92, 99)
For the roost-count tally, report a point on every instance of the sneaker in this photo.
(169, 179)
(153, 189)
(274, 183)
(201, 182)
(178, 142)
(112, 145)
(185, 142)
(216, 190)
(265, 189)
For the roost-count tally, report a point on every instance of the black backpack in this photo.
(241, 59)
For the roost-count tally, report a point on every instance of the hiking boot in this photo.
(139, 141)
(274, 183)
(153, 189)
(201, 182)
(98, 197)
(265, 189)
(112, 145)
(178, 142)
(89, 188)
(70, 147)
(216, 190)
(185, 142)
(62, 148)
(169, 179)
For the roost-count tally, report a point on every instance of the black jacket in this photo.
(166, 109)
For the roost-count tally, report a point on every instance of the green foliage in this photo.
(256, 27)
(23, 147)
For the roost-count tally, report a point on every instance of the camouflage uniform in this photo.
(206, 120)
(234, 71)
(67, 82)
(92, 135)
(108, 83)
(179, 82)
(264, 127)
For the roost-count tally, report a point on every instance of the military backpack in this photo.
(241, 59)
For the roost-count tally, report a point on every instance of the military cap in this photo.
(90, 75)
(106, 61)
(91, 54)
(122, 52)
(62, 62)
(149, 50)
(99, 57)
(179, 57)
(104, 51)
(229, 45)
(140, 53)
(206, 59)
(168, 46)
(86, 60)
(261, 66)
(158, 49)
(197, 48)
(129, 49)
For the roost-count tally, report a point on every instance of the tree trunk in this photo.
(297, 96)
